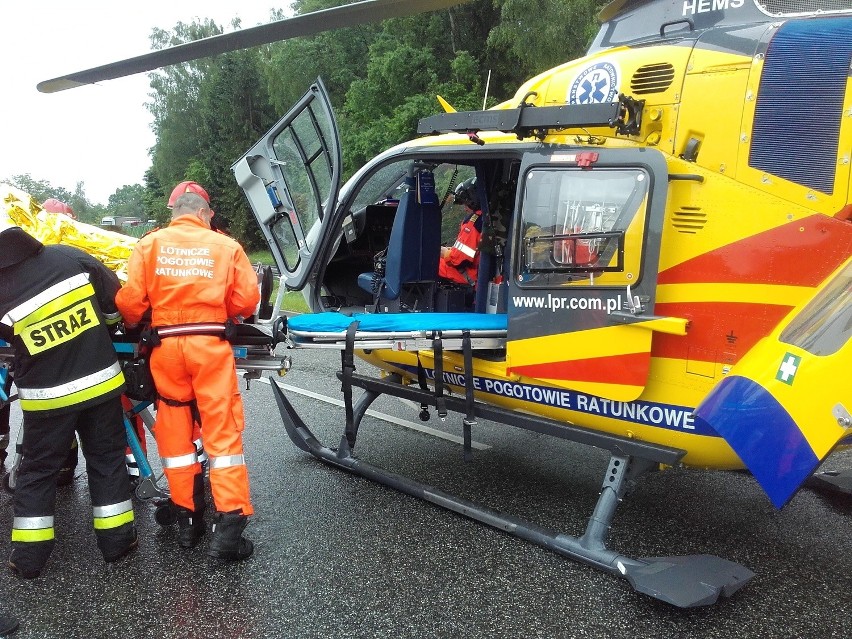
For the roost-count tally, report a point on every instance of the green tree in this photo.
(383, 77)
(154, 199)
(175, 92)
(336, 56)
(235, 111)
(409, 63)
(207, 113)
(83, 209)
(40, 190)
(128, 201)
(540, 34)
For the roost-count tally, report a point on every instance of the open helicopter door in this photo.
(291, 178)
(585, 258)
(786, 405)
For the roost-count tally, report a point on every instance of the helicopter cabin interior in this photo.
(574, 228)
(400, 218)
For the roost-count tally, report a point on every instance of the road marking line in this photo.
(383, 416)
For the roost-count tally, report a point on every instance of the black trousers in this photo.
(5, 415)
(45, 451)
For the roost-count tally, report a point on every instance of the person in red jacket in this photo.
(460, 262)
(194, 280)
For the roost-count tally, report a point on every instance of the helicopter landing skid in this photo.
(832, 482)
(686, 582)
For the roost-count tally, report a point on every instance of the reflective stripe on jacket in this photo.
(53, 308)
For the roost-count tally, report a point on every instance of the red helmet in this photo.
(52, 205)
(187, 187)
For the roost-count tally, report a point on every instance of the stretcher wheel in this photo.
(165, 515)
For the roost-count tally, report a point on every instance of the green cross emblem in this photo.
(787, 370)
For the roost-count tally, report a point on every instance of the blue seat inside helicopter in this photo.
(413, 249)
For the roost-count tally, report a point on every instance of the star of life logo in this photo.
(787, 370)
(595, 85)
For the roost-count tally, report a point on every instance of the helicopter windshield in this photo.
(826, 323)
(385, 184)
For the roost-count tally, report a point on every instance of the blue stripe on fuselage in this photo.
(654, 414)
(762, 433)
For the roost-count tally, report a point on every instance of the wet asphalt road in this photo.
(338, 556)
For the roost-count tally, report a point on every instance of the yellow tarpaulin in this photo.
(113, 249)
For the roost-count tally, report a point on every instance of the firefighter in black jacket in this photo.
(56, 305)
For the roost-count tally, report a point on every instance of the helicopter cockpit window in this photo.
(383, 185)
(303, 159)
(825, 325)
(387, 183)
(583, 227)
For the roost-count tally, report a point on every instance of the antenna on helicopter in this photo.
(487, 84)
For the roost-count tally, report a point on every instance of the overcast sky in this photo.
(97, 134)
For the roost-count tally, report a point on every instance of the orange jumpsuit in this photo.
(188, 274)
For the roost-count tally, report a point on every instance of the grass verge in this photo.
(293, 301)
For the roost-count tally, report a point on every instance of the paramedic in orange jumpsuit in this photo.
(136, 419)
(189, 186)
(460, 262)
(193, 280)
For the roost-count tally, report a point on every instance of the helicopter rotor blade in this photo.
(356, 13)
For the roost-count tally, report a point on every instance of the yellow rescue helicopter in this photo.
(664, 267)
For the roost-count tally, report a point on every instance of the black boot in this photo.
(23, 573)
(28, 559)
(191, 524)
(120, 544)
(228, 543)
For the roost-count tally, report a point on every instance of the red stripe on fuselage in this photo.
(718, 331)
(802, 253)
(630, 369)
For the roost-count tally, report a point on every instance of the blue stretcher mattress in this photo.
(332, 322)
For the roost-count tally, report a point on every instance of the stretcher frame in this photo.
(435, 331)
(404, 331)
